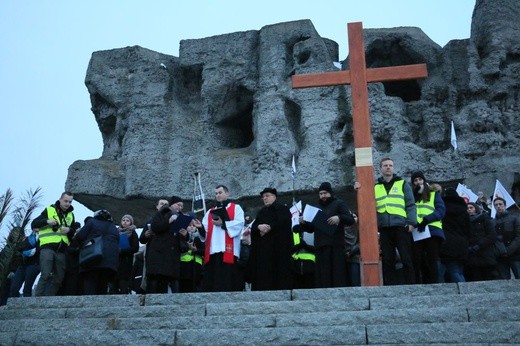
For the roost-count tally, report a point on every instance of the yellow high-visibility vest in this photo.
(190, 256)
(302, 254)
(47, 235)
(426, 208)
(392, 202)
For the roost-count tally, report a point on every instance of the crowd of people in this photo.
(426, 235)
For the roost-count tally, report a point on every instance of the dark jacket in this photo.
(456, 226)
(482, 234)
(332, 207)
(110, 235)
(507, 227)
(269, 264)
(162, 250)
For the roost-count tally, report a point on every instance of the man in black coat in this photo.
(269, 265)
(329, 246)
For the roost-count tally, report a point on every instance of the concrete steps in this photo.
(480, 313)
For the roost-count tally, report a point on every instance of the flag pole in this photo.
(293, 174)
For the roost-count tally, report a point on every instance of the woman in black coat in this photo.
(162, 257)
(96, 275)
(456, 226)
(481, 264)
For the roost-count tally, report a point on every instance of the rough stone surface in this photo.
(225, 108)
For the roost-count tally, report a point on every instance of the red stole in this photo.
(228, 253)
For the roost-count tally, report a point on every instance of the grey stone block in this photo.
(493, 286)
(336, 335)
(12, 314)
(497, 313)
(215, 297)
(281, 307)
(338, 318)
(73, 301)
(377, 291)
(85, 337)
(427, 333)
(461, 300)
(138, 311)
(208, 322)
(62, 324)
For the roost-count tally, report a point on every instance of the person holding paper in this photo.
(396, 219)
(269, 266)
(222, 246)
(430, 211)
(329, 239)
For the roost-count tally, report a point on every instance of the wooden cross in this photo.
(358, 76)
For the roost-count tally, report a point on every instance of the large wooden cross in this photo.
(358, 76)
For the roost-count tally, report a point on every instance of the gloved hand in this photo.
(473, 248)
(422, 226)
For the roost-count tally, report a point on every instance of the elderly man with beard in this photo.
(330, 257)
(269, 265)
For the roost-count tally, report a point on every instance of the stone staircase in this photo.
(477, 313)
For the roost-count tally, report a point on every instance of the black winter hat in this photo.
(450, 192)
(325, 186)
(175, 199)
(418, 174)
(269, 190)
(103, 215)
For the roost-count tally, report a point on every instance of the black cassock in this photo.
(269, 265)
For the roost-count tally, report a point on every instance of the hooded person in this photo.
(328, 241)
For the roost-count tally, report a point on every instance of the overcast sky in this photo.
(45, 48)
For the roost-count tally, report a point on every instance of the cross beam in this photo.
(358, 77)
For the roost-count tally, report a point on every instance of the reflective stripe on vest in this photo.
(302, 254)
(393, 202)
(47, 235)
(427, 208)
(189, 256)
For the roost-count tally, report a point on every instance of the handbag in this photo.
(91, 252)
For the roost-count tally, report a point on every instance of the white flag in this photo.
(453, 136)
(293, 173)
(466, 193)
(500, 191)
